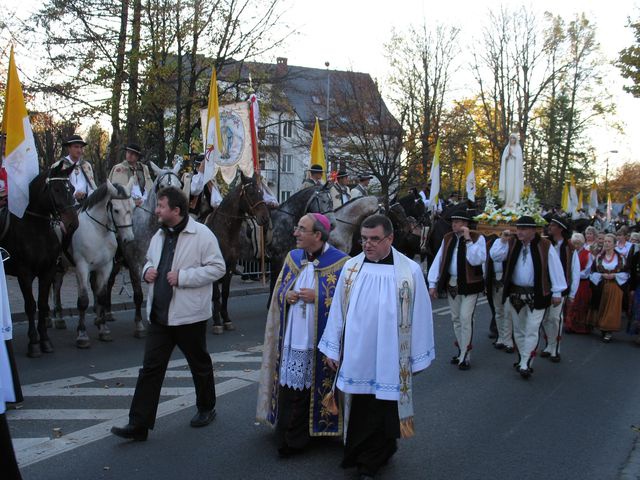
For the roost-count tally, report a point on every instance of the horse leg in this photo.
(217, 323)
(25, 280)
(100, 293)
(58, 277)
(224, 313)
(108, 316)
(82, 275)
(44, 287)
(140, 330)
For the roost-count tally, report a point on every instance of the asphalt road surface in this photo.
(571, 420)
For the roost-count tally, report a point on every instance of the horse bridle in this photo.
(57, 210)
(168, 173)
(116, 227)
(252, 207)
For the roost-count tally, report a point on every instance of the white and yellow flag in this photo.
(21, 157)
(434, 176)
(317, 151)
(593, 199)
(470, 176)
(213, 137)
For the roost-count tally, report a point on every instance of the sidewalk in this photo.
(121, 295)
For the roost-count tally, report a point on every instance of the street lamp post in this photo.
(279, 152)
(326, 64)
(606, 174)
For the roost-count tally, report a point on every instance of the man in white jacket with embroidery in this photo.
(183, 261)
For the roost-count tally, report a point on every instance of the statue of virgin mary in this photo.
(511, 172)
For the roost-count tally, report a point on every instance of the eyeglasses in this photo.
(300, 229)
(373, 241)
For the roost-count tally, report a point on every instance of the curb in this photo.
(119, 307)
(631, 468)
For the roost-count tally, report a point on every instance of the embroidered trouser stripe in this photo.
(552, 325)
(503, 321)
(526, 332)
(462, 309)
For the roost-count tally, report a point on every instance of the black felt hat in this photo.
(72, 139)
(135, 148)
(526, 221)
(562, 222)
(342, 174)
(315, 168)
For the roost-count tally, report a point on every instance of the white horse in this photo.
(348, 219)
(105, 218)
(145, 225)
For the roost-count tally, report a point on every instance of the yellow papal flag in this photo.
(317, 151)
(21, 157)
(213, 138)
(470, 176)
(565, 197)
(580, 200)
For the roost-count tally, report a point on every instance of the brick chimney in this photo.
(281, 66)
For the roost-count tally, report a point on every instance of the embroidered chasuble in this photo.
(290, 357)
(387, 335)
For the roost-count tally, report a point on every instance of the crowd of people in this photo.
(344, 336)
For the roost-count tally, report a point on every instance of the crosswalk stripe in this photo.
(67, 414)
(100, 392)
(50, 448)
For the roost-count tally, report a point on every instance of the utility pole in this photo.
(606, 174)
(326, 135)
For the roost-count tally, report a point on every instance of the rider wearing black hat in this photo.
(340, 193)
(315, 177)
(132, 167)
(82, 177)
(362, 189)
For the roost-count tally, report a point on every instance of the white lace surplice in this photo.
(296, 366)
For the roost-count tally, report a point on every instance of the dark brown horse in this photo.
(34, 247)
(225, 222)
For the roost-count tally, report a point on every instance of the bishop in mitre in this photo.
(378, 335)
(511, 181)
(294, 377)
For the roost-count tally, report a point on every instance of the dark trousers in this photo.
(160, 342)
(8, 464)
(292, 429)
(373, 428)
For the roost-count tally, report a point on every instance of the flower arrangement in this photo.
(494, 215)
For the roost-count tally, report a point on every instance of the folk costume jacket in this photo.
(122, 172)
(327, 269)
(85, 168)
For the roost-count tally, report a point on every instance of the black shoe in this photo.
(203, 418)
(464, 365)
(524, 373)
(555, 358)
(544, 354)
(499, 346)
(286, 451)
(455, 360)
(131, 432)
(509, 349)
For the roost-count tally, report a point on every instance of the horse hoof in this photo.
(108, 317)
(140, 331)
(83, 341)
(229, 326)
(105, 337)
(34, 351)
(49, 322)
(217, 330)
(46, 346)
(60, 324)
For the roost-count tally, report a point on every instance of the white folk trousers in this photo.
(552, 325)
(462, 309)
(526, 331)
(503, 321)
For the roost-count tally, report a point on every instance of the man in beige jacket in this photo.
(183, 261)
(132, 167)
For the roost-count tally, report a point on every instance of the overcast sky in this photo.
(350, 34)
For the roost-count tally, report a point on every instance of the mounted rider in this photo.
(132, 167)
(362, 189)
(339, 190)
(314, 178)
(82, 177)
